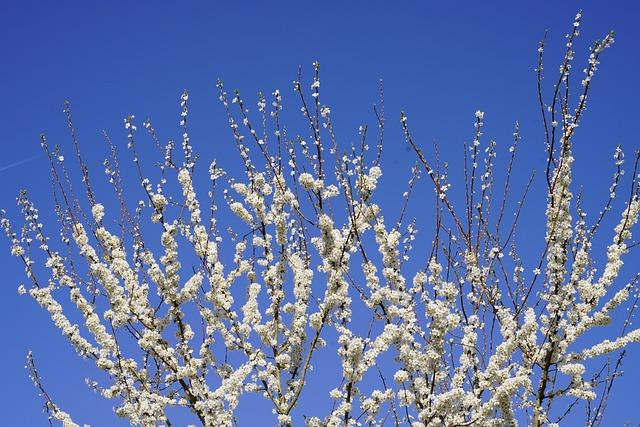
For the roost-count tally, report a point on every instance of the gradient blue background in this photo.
(440, 61)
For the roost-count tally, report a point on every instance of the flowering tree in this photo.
(297, 255)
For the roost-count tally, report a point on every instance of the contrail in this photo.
(19, 162)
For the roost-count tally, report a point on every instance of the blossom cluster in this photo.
(312, 257)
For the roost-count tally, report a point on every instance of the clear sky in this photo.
(440, 61)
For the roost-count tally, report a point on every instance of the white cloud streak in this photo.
(19, 162)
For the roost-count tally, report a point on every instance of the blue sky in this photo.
(440, 61)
